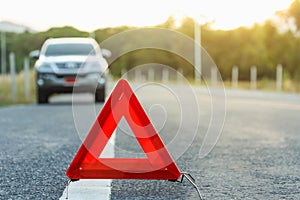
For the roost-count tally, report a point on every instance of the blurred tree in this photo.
(102, 34)
(169, 23)
(294, 12)
(66, 31)
(291, 15)
(261, 45)
(187, 27)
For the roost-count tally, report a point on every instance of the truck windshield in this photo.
(70, 49)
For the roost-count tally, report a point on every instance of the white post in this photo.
(197, 50)
(235, 77)
(13, 76)
(279, 77)
(26, 79)
(150, 74)
(124, 74)
(253, 77)
(165, 75)
(3, 53)
(138, 75)
(214, 76)
(180, 76)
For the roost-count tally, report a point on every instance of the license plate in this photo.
(70, 80)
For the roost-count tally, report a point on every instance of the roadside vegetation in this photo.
(262, 45)
(5, 89)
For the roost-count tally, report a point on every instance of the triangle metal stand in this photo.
(191, 180)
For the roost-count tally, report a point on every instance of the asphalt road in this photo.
(256, 157)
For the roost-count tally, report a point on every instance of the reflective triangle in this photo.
(157, 165)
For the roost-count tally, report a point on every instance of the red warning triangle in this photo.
(123, 103)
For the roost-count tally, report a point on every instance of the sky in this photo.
(89, 15)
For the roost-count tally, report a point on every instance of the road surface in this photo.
(256, 156)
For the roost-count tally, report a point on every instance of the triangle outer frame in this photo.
(123, 103)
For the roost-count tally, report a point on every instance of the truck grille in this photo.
(69, 65)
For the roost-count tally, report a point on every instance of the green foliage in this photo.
(294, 12)
(6, 93)
(261, 45)
(144, 56)
(66, 31)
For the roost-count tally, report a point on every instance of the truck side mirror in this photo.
(106, 53)
(34, 54)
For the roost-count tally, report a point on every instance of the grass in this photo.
(5, 89)
(6, 96)
(268, 85)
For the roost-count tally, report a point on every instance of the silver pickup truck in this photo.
(66, 65)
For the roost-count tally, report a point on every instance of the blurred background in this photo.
(247, 40)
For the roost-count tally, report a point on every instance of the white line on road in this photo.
(91, 189)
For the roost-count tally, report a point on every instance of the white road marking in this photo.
(90, 189)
